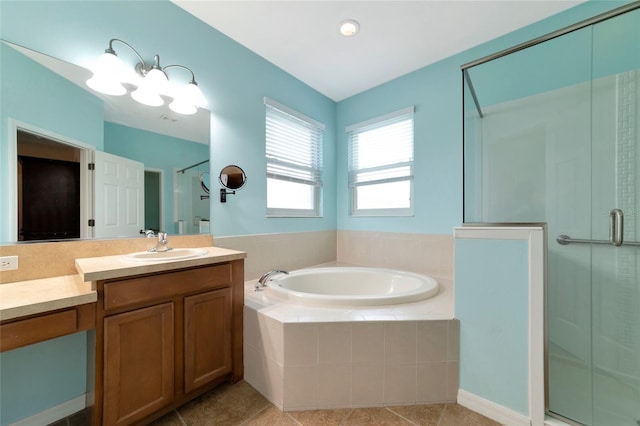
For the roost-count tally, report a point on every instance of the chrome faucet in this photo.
(262, 281)
(148, 233)
(162, 245)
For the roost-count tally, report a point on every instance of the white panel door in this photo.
(119, 196)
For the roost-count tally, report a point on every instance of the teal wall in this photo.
(492, 286)
(41, 376)
(155, 151)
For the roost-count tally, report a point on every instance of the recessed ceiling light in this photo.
(349, 27)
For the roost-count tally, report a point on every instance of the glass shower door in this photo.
(615, 270)
(552, 134)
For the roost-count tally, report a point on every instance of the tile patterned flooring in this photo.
(241, 405)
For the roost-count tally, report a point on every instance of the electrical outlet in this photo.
(8, 263)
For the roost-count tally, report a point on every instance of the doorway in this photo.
(49, 194)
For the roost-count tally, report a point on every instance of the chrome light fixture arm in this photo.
(113, 52)
(193, 77)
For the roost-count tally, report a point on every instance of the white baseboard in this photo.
(54, 414)
(492, 410)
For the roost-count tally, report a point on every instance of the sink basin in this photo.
(161, 256)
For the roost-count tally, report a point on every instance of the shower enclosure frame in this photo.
(563, 239)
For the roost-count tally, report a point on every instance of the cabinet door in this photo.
(138, 363)
(207, 333)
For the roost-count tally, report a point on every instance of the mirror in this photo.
(204, 181)
(48, 97)
(231, 177)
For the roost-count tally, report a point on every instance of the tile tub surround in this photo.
(52, 259)
(429, 254)
(288, 251)
(422, 253)
(307, 357)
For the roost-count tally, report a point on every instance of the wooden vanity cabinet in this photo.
(163, 339)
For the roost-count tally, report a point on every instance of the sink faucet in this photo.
(262, 281)
(148, 233)
(162, 245)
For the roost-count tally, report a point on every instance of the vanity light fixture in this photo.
(349, 27)
(110, 72)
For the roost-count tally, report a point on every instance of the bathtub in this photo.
(312, 347)
(355, 286)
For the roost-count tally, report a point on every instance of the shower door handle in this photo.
(616, 233)
(616, 227)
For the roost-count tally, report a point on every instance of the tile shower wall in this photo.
(286, 251)
(428, 254)
(299, 366)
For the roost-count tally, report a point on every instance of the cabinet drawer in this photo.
(118, 294)
(48, 326)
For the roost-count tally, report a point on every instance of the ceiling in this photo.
(395, 38)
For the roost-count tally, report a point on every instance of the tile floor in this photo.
(241, 405)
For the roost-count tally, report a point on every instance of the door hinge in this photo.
(92, 222)
(92, 166)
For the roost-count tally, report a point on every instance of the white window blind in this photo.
(381, 165)
(294, 162)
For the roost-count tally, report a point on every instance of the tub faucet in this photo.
(262, 281)
(162, 245)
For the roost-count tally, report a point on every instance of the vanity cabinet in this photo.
(165, 338)
(138, 363)
(207, 329)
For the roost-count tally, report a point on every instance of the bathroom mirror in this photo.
(231, 177)
(164, 143)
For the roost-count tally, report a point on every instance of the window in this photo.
(294, 162)
(381, 165)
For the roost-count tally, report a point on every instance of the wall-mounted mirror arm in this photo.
(231, 177)
(224, 193)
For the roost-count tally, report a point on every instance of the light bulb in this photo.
(183, 107)
(155, 80)
(147, 96)
(193, 93)
(107, 75)
(349, 27)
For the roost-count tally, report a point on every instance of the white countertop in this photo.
(24, 298)
(113, 267)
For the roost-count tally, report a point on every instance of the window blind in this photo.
(293, 146)
(381, 150)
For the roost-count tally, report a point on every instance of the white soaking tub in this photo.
(357, 286)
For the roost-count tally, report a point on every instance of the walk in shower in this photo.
(552, 134)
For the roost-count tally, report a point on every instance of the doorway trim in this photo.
(86, 181)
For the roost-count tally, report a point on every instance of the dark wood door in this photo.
(139, 363)
(207, 334)
(49, 199)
